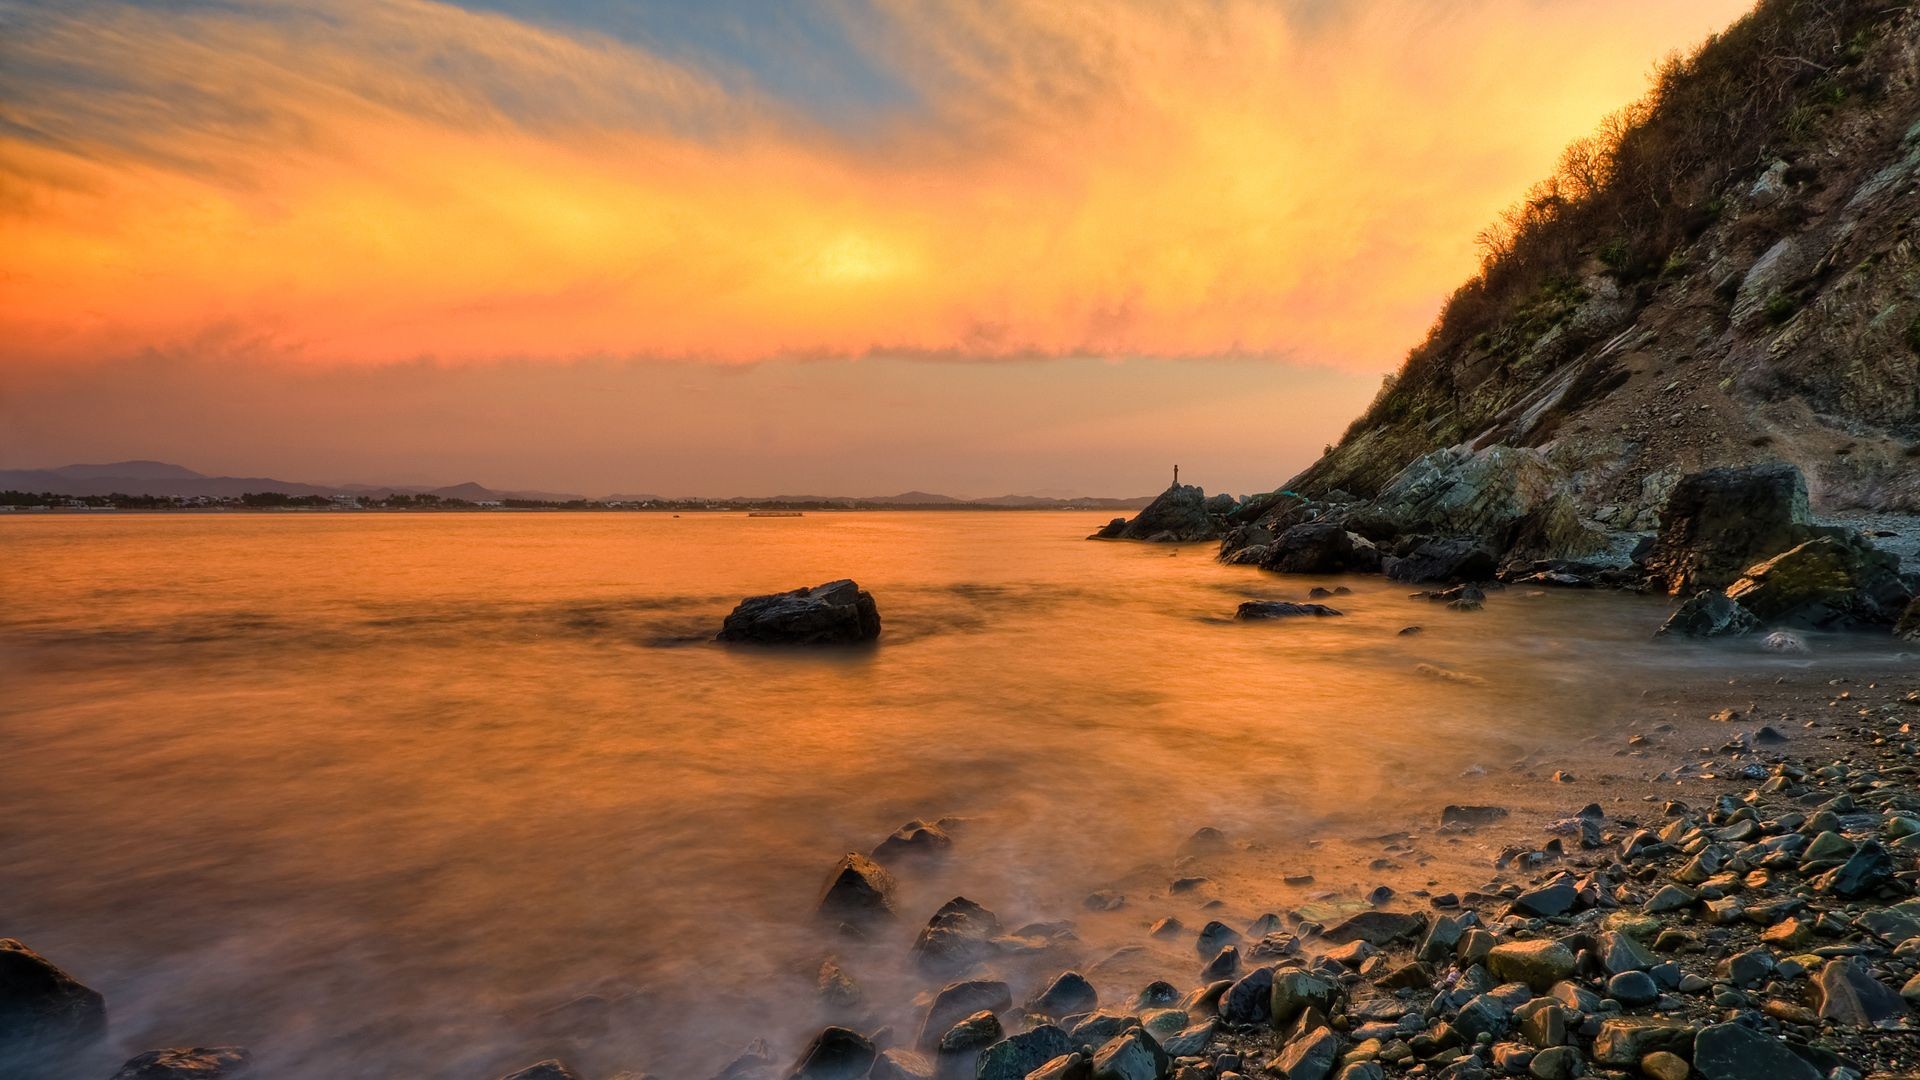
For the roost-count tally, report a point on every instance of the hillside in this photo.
(1725, 274)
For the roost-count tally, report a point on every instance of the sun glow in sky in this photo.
(194, 194)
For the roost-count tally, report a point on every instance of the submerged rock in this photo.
(222, 1062)
(837, 613)
(1709, 614)
(956, 1002)
(914, 839)
(835, 1054)
(1280, 609)
(45, 1013)
(857, 890)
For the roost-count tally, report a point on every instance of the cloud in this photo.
(374, 181)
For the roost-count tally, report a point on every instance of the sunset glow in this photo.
(372, 181)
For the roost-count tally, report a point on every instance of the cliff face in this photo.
(1733, 280)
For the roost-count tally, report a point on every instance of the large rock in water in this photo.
(1450, 561)
(1321, 547)
(1511, 498)
(1708, 614)
(45, 1013)
(1180, 514)
(858, 890)
(224, 1062)
(1720, 522)
(1833, 582)
(837, 613)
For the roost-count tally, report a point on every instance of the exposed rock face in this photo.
(224, 1062)
(45, 1013)
(1511, 498)
(1180, 514)
(1827, 583)
(1718, 523)
(1708, 614)
(837, 613)
(1321, 548)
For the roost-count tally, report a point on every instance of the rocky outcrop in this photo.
(1510, 498)
(837, 613)
(1719, 522)
(45, 1014)
(1181, 514)
(1321, 548)
(1829, 583)
(232, 1062)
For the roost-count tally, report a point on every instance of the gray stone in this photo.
(1309, 1057)
(859, 889)
(1130, 1056)
(1849, 995)
(1014, 1057)
(837, 613)
(1709, 614)
(956, 1001)
(44, 1012)
(1737, 1052)
(836, 1053)
(1538, 963)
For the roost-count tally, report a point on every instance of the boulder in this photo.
(1866, 870)
(1321, 547)
(1065, 1067)
(1180, 514)
(222, 1062)
(1295, 991)
(1279, 609)
(1623, 1041)
(1737, 1052)
(1447, 561)
(1719, 522)
(957, 937)
(956, 1002)
(837, 613)
(1847, 994)
(1708, 614)
(1068, 995)
(1378, 928)
(1131, 1055)
(1250, 999)
(1014, 1057)
(835, 1054)
(1828, 583)
(858, 890)
(896, 1063)
(1908, 628)
(915, 838)
(1510, 498)
(1309, 1057)
(45, 1013)
(1538, 963)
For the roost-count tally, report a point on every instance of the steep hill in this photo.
(1725, 274)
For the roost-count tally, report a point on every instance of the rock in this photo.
(913, 840)
(45, 1013)
(1471, 816)
(1511, 498)
(1737, 1052)
(1848, 994)
(1308, 1057)
(1069, 994)
(1362, 1070)
(896, 1063)
(1487, 1014)
(1555, 1063)
(1719, 522)
(1321, 547)
(1180, 514)
(1215, 936)
(1277, 609)
(1782, 642)
(1378, 928)
(1864, 873)
(837, 613)
(1670, 898)
(1633, 989)
(835, 1054)
(1226, 965)
(1546, 901)
(957, 937)
(1296, 990)
(1709, 614)
(962, 1043)
(1445, 561)
(1623, 1041)
(1065, 1067)
(222, 1062)
(1618, 952)
(1661, 1065)
(1014, 1057)
(1538, 963)
(1908, 628)
(859, 889)
(1193, 1041)
(1250, 999)
(1825, 584)
(956, 1001)
(835, 987)
(1132, 1055)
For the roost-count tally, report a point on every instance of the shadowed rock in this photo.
(45, 1013)
(1180, 514)
(1321, 547)
(1708, 614)
(222, 1062)
(837, 613)
(1280, 609)
(1719, 522)
(550, 1069)
(1828, 583)
(857, 890)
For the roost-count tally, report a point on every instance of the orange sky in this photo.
(371, 182)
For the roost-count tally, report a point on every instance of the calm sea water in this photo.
(374, 794)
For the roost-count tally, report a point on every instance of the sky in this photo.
(748, 246)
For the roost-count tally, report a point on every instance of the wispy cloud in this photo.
(385, 180)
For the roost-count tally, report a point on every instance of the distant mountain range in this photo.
(159, 478)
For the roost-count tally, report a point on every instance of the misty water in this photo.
(379, 795)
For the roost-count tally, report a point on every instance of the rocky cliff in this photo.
(1727, 275)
